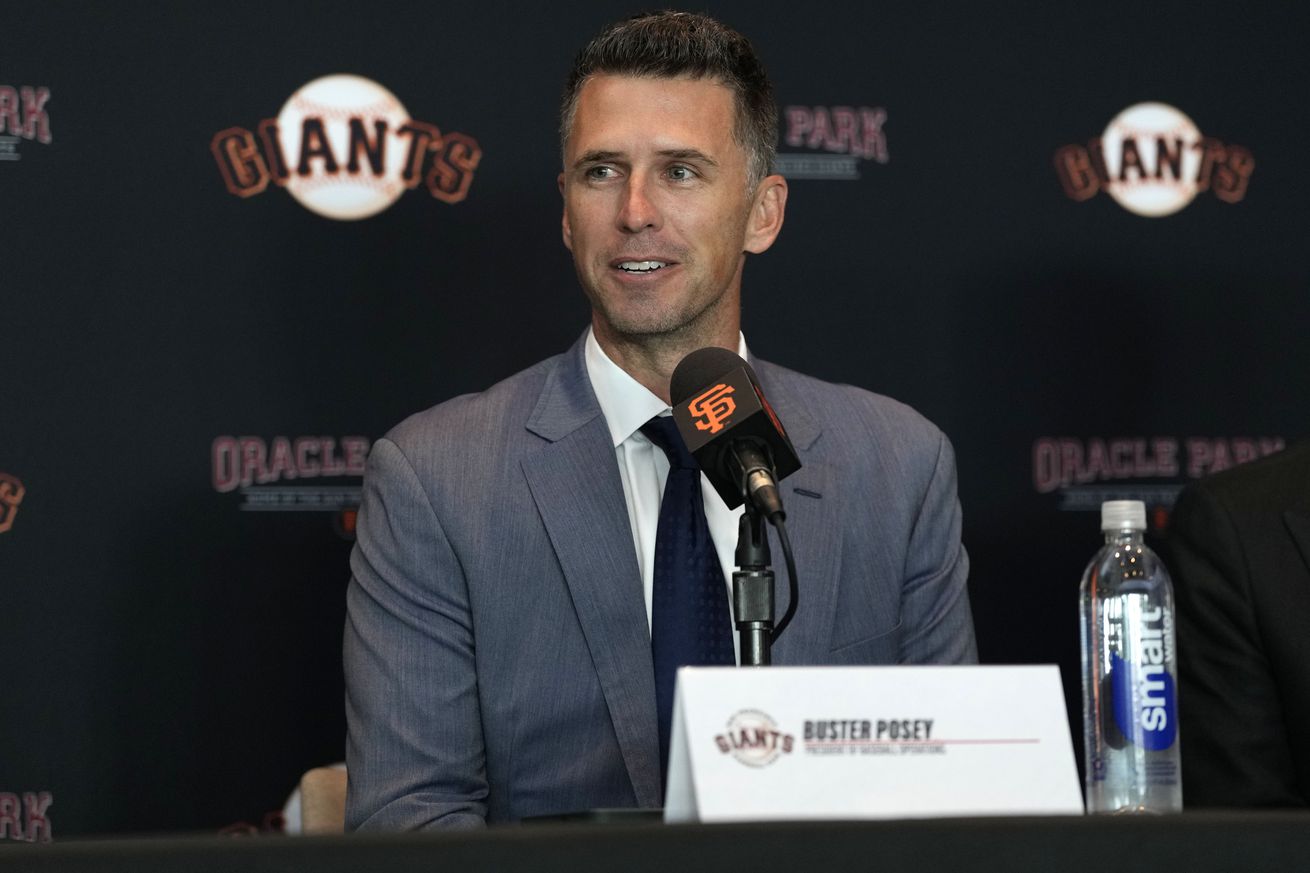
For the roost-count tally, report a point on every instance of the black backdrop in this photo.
(170, 646)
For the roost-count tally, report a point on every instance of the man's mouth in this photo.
(641, 266)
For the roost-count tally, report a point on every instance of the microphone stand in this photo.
(752, 589)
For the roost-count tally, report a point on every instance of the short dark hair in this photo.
(671, 44)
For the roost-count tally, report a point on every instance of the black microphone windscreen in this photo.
(701, 369)
(721, 413)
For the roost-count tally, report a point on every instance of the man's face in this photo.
(657, 211)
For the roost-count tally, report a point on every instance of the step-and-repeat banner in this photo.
(240, 241)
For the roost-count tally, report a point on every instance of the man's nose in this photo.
(638, 211)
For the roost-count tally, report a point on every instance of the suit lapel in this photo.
(575, 483)
(813, 526)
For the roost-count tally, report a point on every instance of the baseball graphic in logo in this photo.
(343, 131)
(753, 738)
(345, 148)
(1152, 154)
(1153, 160)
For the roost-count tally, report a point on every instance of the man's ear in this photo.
(567, 231)
(767, 213)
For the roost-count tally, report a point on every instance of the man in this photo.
(1239, 547)
(500, 617)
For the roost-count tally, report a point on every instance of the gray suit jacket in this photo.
(497, 652)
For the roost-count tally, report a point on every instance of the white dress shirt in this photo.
(643, 468)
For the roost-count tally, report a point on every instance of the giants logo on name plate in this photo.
(752, 738)
(1153, 161)
(346, 148)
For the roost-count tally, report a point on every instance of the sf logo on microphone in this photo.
(711, 410)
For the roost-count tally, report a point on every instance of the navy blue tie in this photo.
(690, 621)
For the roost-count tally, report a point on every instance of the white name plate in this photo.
(869, 742)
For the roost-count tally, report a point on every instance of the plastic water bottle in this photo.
(1130, 700)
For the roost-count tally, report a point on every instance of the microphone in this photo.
(731, 430)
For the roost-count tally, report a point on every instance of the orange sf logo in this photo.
(712, 409)
(11, 494)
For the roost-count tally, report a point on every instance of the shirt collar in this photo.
(626, 403)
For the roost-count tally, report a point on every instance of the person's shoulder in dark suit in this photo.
(1239, 547)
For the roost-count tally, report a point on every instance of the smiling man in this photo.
(661, 203)
(512, 596)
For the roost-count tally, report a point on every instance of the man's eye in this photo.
(680, 174)
(600, 172)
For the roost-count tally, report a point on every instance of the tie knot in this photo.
(663, 432)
